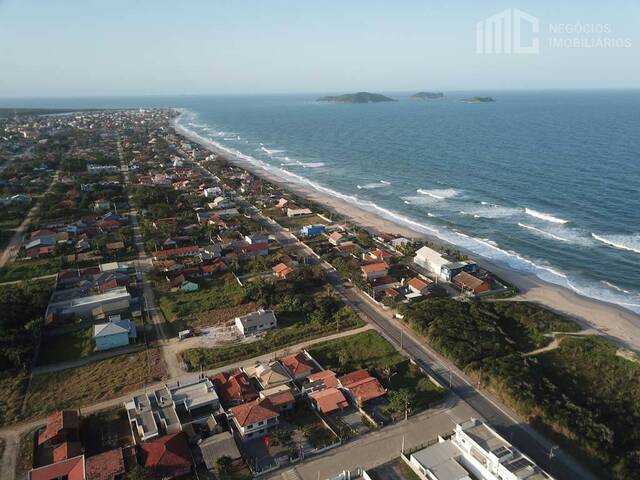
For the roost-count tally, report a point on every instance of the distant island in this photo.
(478, 100)
(360, 97)
(427, 95)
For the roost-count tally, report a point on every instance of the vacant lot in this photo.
(66, 347)
(212, 317)
(24, 269)
(223, 292)
(95, 382)
(12, 389)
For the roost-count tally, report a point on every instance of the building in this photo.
(443, 267)
(167, 409)
(216, 446)
(106, 466)
(282, 270)
(281, 397)
(362, 386)
(471, 284)
(336, 238)
(255, 418)
(312, 230)
(70, 469)
(114, 334)
(474, 450)
(297, 212)
(269, 375)
(320, 381)
(87, 307)
(299, 365)
(234, 388)
(417, 285)
(256, 322)
(167, 457)
(375, 270)
(328, 400)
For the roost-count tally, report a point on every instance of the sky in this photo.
(69, 48)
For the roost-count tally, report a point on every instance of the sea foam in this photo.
(630, 243)
(544, 216)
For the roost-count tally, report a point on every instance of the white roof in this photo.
(440, 460)
(109, 328)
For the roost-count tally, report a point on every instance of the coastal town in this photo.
(170, 314)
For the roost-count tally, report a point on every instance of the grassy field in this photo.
(94, 382)
(365, 350)
(224, 292)
(211, 317)
(25, 269)
(12, 390)
(66, 347)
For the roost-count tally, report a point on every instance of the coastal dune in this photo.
(618, 324)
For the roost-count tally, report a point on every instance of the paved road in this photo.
(506, 422)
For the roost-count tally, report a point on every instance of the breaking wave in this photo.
(373, 185)
(630, 243)
(544, 216)
(439, 193)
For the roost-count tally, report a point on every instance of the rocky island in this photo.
(478, 100)
(427, 95)
(360, 97)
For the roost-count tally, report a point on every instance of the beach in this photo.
(616, 323)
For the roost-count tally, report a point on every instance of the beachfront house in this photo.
(374, 270)
(442, 266)
(312, 230)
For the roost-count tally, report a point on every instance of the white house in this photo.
(254, 418)
(256, 322)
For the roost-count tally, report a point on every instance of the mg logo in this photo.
(502, 33)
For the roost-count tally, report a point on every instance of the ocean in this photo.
(543, 182)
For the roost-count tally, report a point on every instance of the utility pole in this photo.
(450, 378)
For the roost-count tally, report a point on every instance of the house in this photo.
(320, 380)
(101, 205)
(246, 251)
(417, 285)
(256, 238)
(62, 426)
(167, 457)
(114, 334)
(167, 409)
(362, 386)
(386, 282)
(282, 270)
(336, 238)
(474, 450)
(256, 322)
(255, 418)
(377, 255)
(470, 283)
(282, 203)
(299, 365)
(441, 265)
(329, 400)
(219, 445)
(212, 192)
(312, 230)
(297, 212)
(234, 388)
(108, 465)
(375, 270)
(190, 251)
(70, 469)
(281, 397)
(269, 375)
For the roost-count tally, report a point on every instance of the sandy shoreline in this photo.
(617, 323)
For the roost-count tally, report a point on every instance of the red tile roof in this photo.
(327, 377)
(66, 450)
(71, 469)
(176, 252)
(298, 364)
(234, 387)
(375, 267)
(168, 456)
(281, 398)
(254, 412)
(59, 421)
(362, 386)
(417, 283)
(105, 466)
(329, 400)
